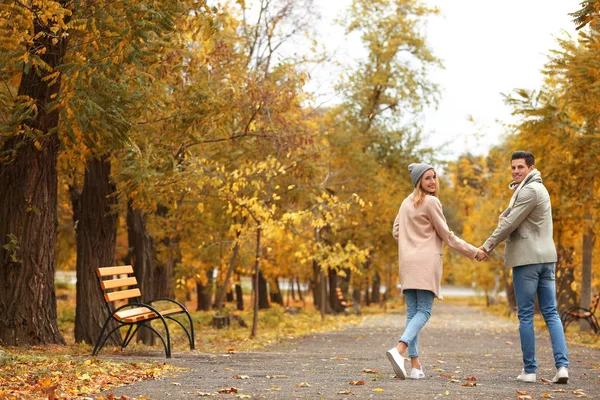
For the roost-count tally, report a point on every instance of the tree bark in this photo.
(256, 284)
(586, 273)
(263, 293)
(222, 292)
(163, 269)
(335, 304)
(28, 202)
(96, 241)
(141, 255)
(205, 293)
(276, 296)
(239, 296)
(375, 295)
(299, 289)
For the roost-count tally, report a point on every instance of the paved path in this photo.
(458, 343)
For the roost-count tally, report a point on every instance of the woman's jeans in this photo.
(529, 280)
(418, 311)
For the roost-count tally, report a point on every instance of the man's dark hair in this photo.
(523, 155)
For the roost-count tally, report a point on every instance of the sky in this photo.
(487, 48)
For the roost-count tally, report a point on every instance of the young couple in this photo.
(420, 229)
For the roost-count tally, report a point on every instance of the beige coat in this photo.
(420, 233)
(527, 226)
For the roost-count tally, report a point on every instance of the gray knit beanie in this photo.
(417, 170)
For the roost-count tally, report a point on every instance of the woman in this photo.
(420, 229)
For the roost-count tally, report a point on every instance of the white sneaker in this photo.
(525, 377)
(416, 373)
(397, 362)
(562, 375)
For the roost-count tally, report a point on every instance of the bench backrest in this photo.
(595, 301)
(118, 284)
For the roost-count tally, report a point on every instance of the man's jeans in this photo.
(529, 280)
(418, 311)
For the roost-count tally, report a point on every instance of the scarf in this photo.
(513, 186)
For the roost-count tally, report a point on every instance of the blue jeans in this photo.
(418, 311)
(529, 280)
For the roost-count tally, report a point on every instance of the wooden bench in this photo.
(578, 313)
(346, 303)
(120, 286)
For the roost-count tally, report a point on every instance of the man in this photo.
(530, 252)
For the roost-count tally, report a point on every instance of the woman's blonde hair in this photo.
(419, 193)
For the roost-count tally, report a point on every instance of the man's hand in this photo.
(482, 255)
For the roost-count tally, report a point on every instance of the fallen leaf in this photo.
(469, 384)
(276, 376)
(231, 351)
(487, 355)
(303, 384)
(447, 376)
(243, 396)
(357, 382)
(204, 394)
(378, 390)
(546, 396)
(559, 390)
(471, 378)
(345, 392)
(240, 377)
(227, 369)
(370, 371)
(546, 380)
(175, 383)
(454, 380)
(275, 388)
(525, 397)
(228, 390)
(447, 393)
(440, 361)
(509, 342)
(523, 392)
(578, 391)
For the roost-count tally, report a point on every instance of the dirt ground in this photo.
(465, 352)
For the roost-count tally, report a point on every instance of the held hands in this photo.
(482, 255)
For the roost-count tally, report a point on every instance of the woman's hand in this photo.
(481, 255)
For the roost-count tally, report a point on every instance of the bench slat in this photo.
(142, 314)
(121, 295)
(115, 283)
(107, 271)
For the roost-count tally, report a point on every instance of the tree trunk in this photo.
(163, 269)
(367, 294)
(335, 304)
(292, 291)
(141, 250)
(239, 296)
(510, 290)
(222, 292)
(375, 295)
(96, 241)
(316, 285)
(299, 289)
(566, 297)
(263, 293)
(28, 203)
(229, 297)
(205, 292)
(276, 296)
(586, 273)
(256, 284)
